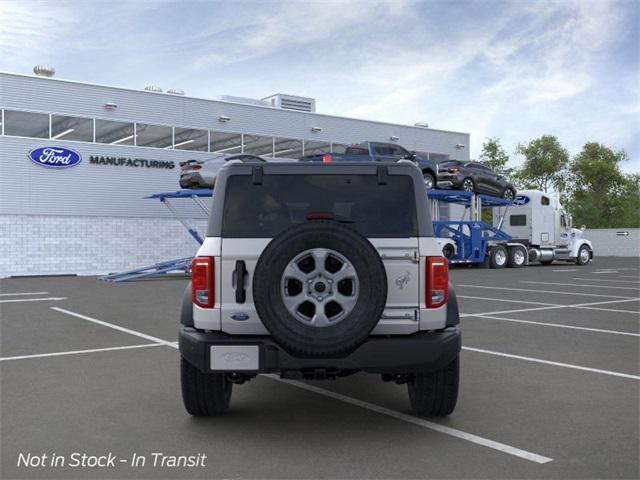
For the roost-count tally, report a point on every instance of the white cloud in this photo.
(31, 28)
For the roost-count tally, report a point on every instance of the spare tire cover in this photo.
(319, 288)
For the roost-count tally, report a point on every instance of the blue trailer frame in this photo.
(473, 237)
(178, 264)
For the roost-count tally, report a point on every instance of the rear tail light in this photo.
(202, 284)
(454, 170)
(196, 167)
(437, 281)
(326, 158)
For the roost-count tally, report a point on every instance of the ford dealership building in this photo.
(77, 160)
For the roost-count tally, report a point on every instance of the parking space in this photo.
(550, 387)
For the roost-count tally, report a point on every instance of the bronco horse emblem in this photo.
(403, 280)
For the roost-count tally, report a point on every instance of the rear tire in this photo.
(429, 180)
(517, 257)
(468, 185)
(435, 393)
(509, 194)
(498, 257)
(204, 394)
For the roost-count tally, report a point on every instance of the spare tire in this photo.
(319, 288)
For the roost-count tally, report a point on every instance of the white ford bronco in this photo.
(316, 272)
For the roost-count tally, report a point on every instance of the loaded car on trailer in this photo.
(320, 271)
(381, 152)
(475, 177)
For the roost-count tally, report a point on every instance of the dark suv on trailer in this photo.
(475, 177)
(315, 271)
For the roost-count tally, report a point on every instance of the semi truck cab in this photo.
(538, 221)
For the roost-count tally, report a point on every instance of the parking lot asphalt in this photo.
(549, 387)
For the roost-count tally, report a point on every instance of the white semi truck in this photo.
(540, 223)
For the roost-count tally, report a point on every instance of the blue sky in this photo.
(514, 70)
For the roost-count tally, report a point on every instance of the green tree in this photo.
(545, 164)
(494, 156)
(600, 195)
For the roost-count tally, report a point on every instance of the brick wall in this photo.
(47, 245)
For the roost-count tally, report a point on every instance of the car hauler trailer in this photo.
(538, 221)
(534, 227)
(470, 240)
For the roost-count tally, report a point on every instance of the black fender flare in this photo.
(186, 311)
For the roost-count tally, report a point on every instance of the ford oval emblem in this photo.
(521, 200)
(55, 157)
(240, 316)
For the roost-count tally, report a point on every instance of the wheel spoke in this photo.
(347, 302)
(319, 257)
(347, 271)
(320, 319)
(293, 271)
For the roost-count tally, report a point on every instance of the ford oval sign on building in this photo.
(55, 157)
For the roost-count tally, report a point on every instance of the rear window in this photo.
(356, 151)
(263, 211)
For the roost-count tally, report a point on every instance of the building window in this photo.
(222, 142)
(114, 133)
(338, 148)
(71, 128)
(190, 139)
(287, 148)
(157, 136)
(258, 145)
(26, 124)
(316, 148)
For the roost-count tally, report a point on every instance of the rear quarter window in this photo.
(263, 211)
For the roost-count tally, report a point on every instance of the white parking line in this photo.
(582, 285)
(628, 276)
(605, 280)
(556, 364)
(76, 352)
(115, 327)
(23, 293)
(48, 299)
(588, 306)
(469, 437)
(509, 301)
(533, 290)
(558, 325)
(566, 270)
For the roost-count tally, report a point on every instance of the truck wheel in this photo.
(320, 288)
(435, 393)
(517, 257)
(448, 251)
(498, 257)
(508, 194)
(429, 181)
(204, 394)
(468, 185)
(584, 255)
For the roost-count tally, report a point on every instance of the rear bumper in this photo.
(453, 180)
(399, 354)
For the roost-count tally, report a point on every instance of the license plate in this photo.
(233, 358)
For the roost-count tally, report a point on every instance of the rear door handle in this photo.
(239, 274)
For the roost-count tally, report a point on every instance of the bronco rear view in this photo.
(314, 271)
